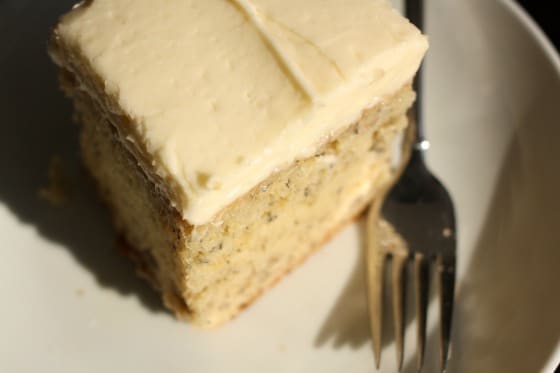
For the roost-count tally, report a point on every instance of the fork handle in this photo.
(414, 10)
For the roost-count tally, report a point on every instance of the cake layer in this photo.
(218, 95)
(208, 273)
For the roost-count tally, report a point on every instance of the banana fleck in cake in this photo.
(232, 138)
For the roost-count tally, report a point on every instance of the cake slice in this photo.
(232, 138)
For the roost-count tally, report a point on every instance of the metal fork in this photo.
(421, 211)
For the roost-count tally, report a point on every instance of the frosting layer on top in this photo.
(223, 93)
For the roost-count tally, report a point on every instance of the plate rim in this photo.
(538, 34)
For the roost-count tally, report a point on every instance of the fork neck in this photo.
(420, 144)
(414, 10)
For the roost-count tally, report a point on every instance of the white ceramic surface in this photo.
(71, 304)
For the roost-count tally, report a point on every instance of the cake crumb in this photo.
(270, 217)
(282, 347)
(80, 292)
(57, 191)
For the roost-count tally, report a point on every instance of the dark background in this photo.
(545, 17)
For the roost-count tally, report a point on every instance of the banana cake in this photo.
(231, 138)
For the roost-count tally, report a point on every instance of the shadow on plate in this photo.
(507, 318)
(348, 320)
(508, 314)
(35, 127)
(347, 323)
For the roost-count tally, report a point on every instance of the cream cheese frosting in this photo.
(224, 93)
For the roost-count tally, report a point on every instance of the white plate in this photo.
(71, 304)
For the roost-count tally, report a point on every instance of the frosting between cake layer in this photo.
(224, 93)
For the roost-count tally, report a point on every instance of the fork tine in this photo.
(446, 280)
(399, 290)
(375, 262)
(421, 283)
